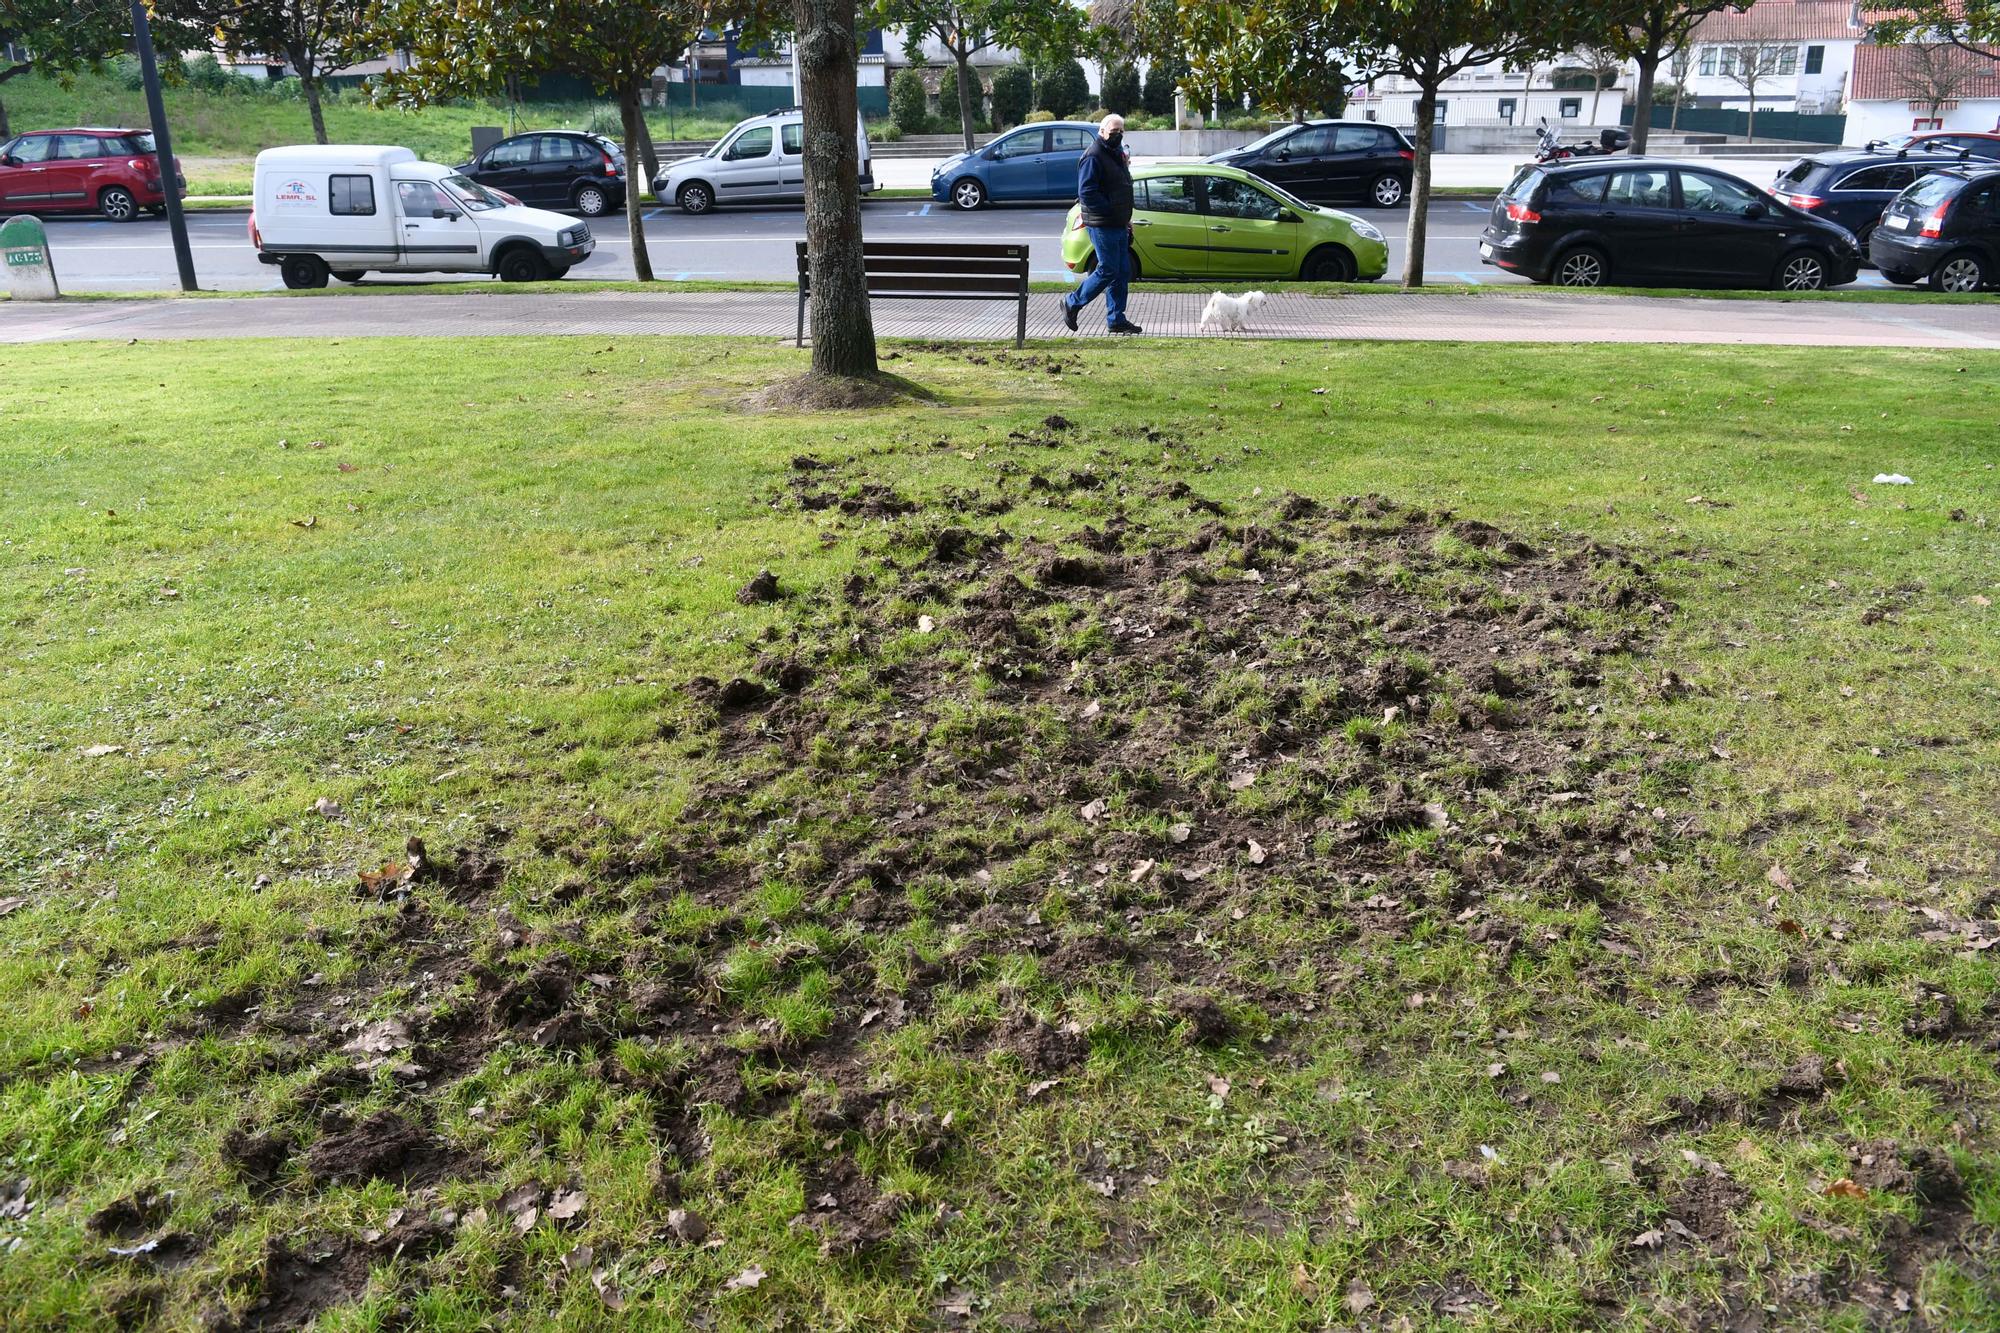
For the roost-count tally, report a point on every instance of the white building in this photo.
(1893, 89)
(1806, 50)
(1496, 95)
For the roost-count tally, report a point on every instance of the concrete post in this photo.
(24, 251)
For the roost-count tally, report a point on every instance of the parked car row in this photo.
(1643, 222)
(112, 172)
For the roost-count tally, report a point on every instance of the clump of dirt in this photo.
(131, 1215)
(762, 588)
(1894, 1168)
(1044, 1048)
(1203, 1020)
(383, 1146)
(845, 1207)
(813, 392)
(1703, 1204)
(258, 1155)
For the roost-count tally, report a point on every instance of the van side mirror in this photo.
(444, 215)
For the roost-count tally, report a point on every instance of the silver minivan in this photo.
(761, 160)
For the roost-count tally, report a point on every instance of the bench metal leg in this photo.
(1021, 322)
(799, 338)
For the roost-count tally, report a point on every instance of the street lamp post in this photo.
(163, 144)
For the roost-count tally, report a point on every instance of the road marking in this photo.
(1478, 208)
(924, 212)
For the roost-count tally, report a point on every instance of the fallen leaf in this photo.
(1358, 1297)
(11, 905)
(1093, 810)
(99, 751)
(1256, 852)
(1037, 1089)
(1435, 816)
(607, 1290)
(746, 1280)
(1242, 781)
(566, 1204)
(1140, 871)
(1551, 1076)
(524, 1221)
(1179, 833)
(686, 1226)
(1791, 927)
(925, 624)
(1107, 1186)
(1496, 1069)
(327, 807)
(1092, 709)
(1778, 878)
(380, 1038)
(310, 521)
(1980, 599)
(579, 1257)
(1846, 1189)
(1218, 1086)
(1649, 1240)
(349, 467)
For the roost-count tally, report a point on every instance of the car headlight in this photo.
(1367, 231)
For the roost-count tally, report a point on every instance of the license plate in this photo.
(1485, 250)
(1897, 222)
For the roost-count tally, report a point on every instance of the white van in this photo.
(761, 160)
(348, 210)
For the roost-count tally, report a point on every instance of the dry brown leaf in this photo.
(1093, 810)
(1359, 1297)
(567, 1204)
(99, 751)
(1256, 852)
(746, 1280)
(1242, 781)
(1846, 1189)
(1778, 878)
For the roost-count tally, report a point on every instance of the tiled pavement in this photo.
(1523, 317)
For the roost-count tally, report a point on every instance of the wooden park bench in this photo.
(936, 271)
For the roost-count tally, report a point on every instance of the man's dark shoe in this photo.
(1126, 326)
(1069, 313)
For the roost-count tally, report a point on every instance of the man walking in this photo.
(1104, 188)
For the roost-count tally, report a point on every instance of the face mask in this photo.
(1114, 138)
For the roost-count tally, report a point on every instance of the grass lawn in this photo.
(1094, 885)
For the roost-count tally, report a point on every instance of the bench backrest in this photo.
(942, 269)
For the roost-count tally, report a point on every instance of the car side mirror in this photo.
(1755, 211)
(443, 215)
(9, 160)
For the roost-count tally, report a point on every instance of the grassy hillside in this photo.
(1114, 872)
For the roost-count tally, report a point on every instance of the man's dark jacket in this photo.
(1104, 186)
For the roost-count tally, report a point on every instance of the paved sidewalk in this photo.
(1527, 317)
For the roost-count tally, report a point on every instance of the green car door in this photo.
(1168, 230)
(1250, 233)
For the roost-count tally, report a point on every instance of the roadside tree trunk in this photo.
(965, 96)
(1420, 185)
(309, 84)
(1642, 104)
(843, 328)
(649, 156)
(629, 113)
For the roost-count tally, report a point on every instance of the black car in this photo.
(1332, 160)
(559, 169)
(1639, 222)
(1946, 227)
(1852, 187)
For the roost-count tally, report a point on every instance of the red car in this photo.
(112, 172)
(1976, 144)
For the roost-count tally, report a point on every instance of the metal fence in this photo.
(1785, 125)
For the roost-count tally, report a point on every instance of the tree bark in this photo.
(965, 96)
(649, 156)
(309, 83)
(843, 328)
(1642, 104)
(628, 112)
(1420, 184)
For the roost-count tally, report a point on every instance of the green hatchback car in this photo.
(1213, 223)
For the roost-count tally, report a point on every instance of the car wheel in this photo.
(118, 204)
(1804, 271)
(591, 201)
(1961, 272)
(1329, 263)
(303, 272)
(350, 274)
(968, 194)
(696, 198)
(522, 265)
(1387, 192)
(1582, 267)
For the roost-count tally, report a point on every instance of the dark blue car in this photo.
(1033, 162)
(1853, 186)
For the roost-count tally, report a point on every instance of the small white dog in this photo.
(1231, 313)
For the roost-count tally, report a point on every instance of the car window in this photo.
(1798, 171)
(1314, 142)
(1358, 139)
(1989, 148)
(1640, 189)
(752, 143)
(1021, 145)
(512, 153)
(1578, 189)
(793, 136)
(33, 148)
(1167, 194)
(556, 148)
(350, 196)
(1524, 183)
(1869, 178)
(77, 147)
(418, 199)
(1932, 191)
(1715, 194)
(1069, 139)
(474, 196)
(1240, 199)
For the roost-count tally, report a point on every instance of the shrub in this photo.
(126, 70)
(1121, 90)
(885, 134)
(948, 99)
(1037, 117)
(1013, 94)
(1099, 114)
(1158, 98)
(1062, 89)
(907, 101)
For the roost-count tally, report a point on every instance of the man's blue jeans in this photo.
(1112, 275)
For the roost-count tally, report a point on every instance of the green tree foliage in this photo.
(1162, 81)
(315, 37)
(470, 47)
(1650, 33)
(1970, 25)
(62, 38)
(949, 101)
(1121, 89)
(1062, 88)
(1038, 28)
(909, 102)
(1013, 95)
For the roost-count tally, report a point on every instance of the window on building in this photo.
(1442, 107)
(1788, 61)
(351, 196)
(1572, 108)
(1707, 62)
(1815, 59)
(1507, 105)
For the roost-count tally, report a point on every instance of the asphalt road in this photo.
(93, 255)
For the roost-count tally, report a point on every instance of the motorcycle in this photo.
(1552, 149)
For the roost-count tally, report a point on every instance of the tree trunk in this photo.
(1642, 102)
(1680, 91)
(965, 95)
(1420, 185)
(628, 111)
(1596, 93)
(6, 130)
(309, 82)
(1750, 129)
(843, 329)
(649, 156)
